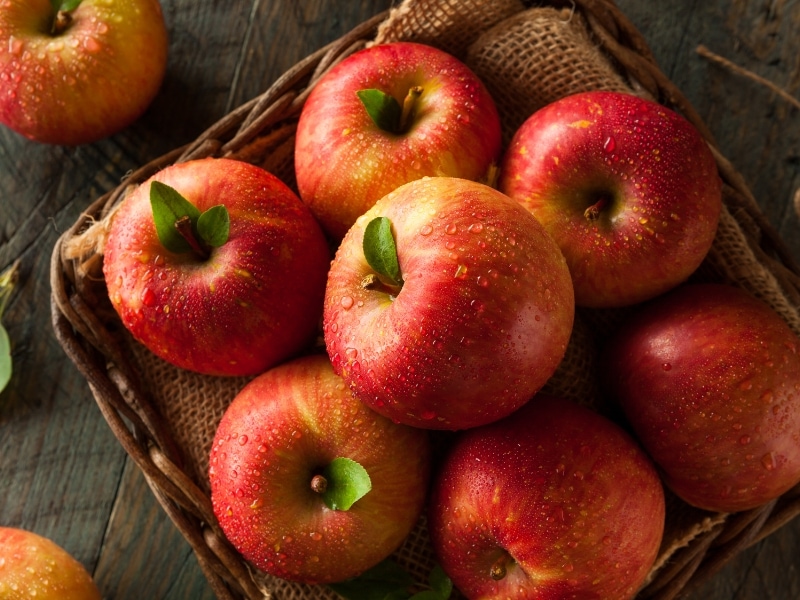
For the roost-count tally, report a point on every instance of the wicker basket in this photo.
(261, 131)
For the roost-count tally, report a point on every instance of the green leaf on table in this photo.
(5, 358)
(380, 249)
(214, 226)
(348, 482)
(384, 109)
(168, 206)
(385, 581)
(440, 582)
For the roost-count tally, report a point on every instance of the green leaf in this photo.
(214, 226)
(65, 5)
(168, 206)
(427, 595)
(384, 110)
(440, 582)
(380, 249)
(385, 581)
(348, 482)
(5, 358)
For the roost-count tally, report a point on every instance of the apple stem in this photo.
(409, 104)
(593, 212)
(319, 484)
(61, 22)
(500, 567)
(184, 227)
(375, 283)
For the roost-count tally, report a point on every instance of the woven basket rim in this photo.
(135, 422)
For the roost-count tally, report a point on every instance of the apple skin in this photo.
(561, 495)
(284, 426)
(34, 566)
(86, 83)
(481, 322)
(455, 132)
(650, 166)
(709, 379)
(255, 302)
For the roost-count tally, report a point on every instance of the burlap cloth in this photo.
(527, 57)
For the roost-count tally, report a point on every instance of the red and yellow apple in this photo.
(73, 72)
(473, 323)
(434, 118)
(709, 379)
(233, 309)
(33, 566)
(552, 502)
(271, 469)
(627, 187)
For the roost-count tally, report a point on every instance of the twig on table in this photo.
(703, 51)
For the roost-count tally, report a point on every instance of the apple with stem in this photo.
(447, 305)
(386, 115)
(709, 378)
(307, 482)
(555, 501)
(628, 188)
(76, 71)
(217, 267)
(33, 566)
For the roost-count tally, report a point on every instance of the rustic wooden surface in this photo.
(63, 473)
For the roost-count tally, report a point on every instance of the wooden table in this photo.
(63, 473)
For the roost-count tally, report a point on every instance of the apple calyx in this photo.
(8, 279)
(380, 251)
(180, 225)
(341, 484)
(386, 112)
(63, 16)
(499, 568)
(592, 213)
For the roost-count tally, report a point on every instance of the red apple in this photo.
(32, 566)
(233, 309)
(628, 188)
(555, 501)
(275, 447)
(345, 160)
(73, 72)
(474, 321)
(709, 378)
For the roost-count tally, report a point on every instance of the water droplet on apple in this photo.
(148, 297)
(426, 230)
(744, 440)
(768, 461)
(347, 302)
(666, 366)
(315, 535)
(451, 228)
(483, 281)
(351, 353)
(242, 440)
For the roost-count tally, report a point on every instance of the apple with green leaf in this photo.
(709, 378)
(76, 71)
(308, 483)
(553, 502)
(628, 188)
(33, 566)
(386, 115)
(447, 305)
(216, 266)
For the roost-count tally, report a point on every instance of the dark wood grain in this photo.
(64, 475)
